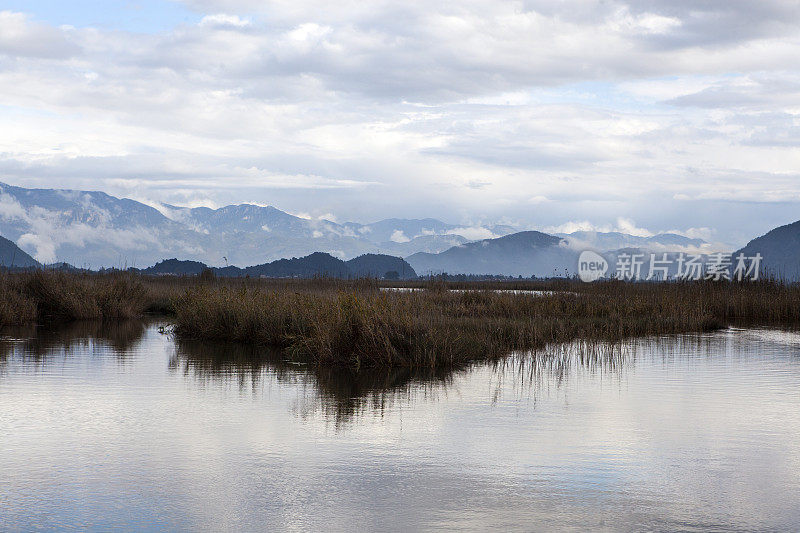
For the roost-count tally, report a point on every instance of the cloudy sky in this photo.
(645, 116)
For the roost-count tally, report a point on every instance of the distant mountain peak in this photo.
(526, 253)
(613, 240)
(780, 250)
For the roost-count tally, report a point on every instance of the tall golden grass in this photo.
(59, 297)
(354, 324)
(363, 327)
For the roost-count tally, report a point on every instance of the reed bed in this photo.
(354, 324)
(51, 296)
(361, 327)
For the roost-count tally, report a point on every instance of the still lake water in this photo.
(121, 427)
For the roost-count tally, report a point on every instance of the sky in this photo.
(646, 116)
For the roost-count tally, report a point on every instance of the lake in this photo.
(122, 427)
(497, 291)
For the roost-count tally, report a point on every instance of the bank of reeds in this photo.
(354, 324)
(51, 296)
(358, 327)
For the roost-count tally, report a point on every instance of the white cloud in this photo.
(398, 236)
(474, 233)
(222, 20)
(22, 37)
(584, 109)
(577, 225)
(10, 208)
(645, 23)
(40, 247)
(625, 225)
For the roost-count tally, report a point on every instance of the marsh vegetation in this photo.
(353, 324)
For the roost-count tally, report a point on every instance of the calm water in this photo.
(121, 427)
(499, 291)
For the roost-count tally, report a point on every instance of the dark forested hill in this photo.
(11, 256)
(380, 266)
(527, 253)
(780, 249)
(316, 264)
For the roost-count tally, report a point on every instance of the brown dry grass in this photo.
(360, 327)
(354, 324)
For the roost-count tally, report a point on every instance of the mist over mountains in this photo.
(92, 229)
(533, 253)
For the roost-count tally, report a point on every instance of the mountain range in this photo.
(527, 253)
(92, 229)
(615, 240)
(533, 253)
(314, 265)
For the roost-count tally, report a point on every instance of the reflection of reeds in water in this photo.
(340, 393)
(41, 342)
(532, 374)
(343, 395)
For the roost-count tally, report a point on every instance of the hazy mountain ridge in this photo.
(780, 249)
(94, 229)
(423, 243)
(542, 255)
(527, 253)
(313, 265)
(89, 228)
(616, 240)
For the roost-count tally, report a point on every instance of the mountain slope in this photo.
(527, 253)
(399, 229)
(175, 267)
(313, 265)
(94, 229)
(780, 249)
(89, 228)
(11, 256)
(614, 240)
(316, 264)
(380, 266)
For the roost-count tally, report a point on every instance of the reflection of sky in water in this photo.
(105, 427)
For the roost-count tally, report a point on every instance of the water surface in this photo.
(498, 291)
(121, 427)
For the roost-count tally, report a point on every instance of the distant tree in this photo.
(392, 275)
